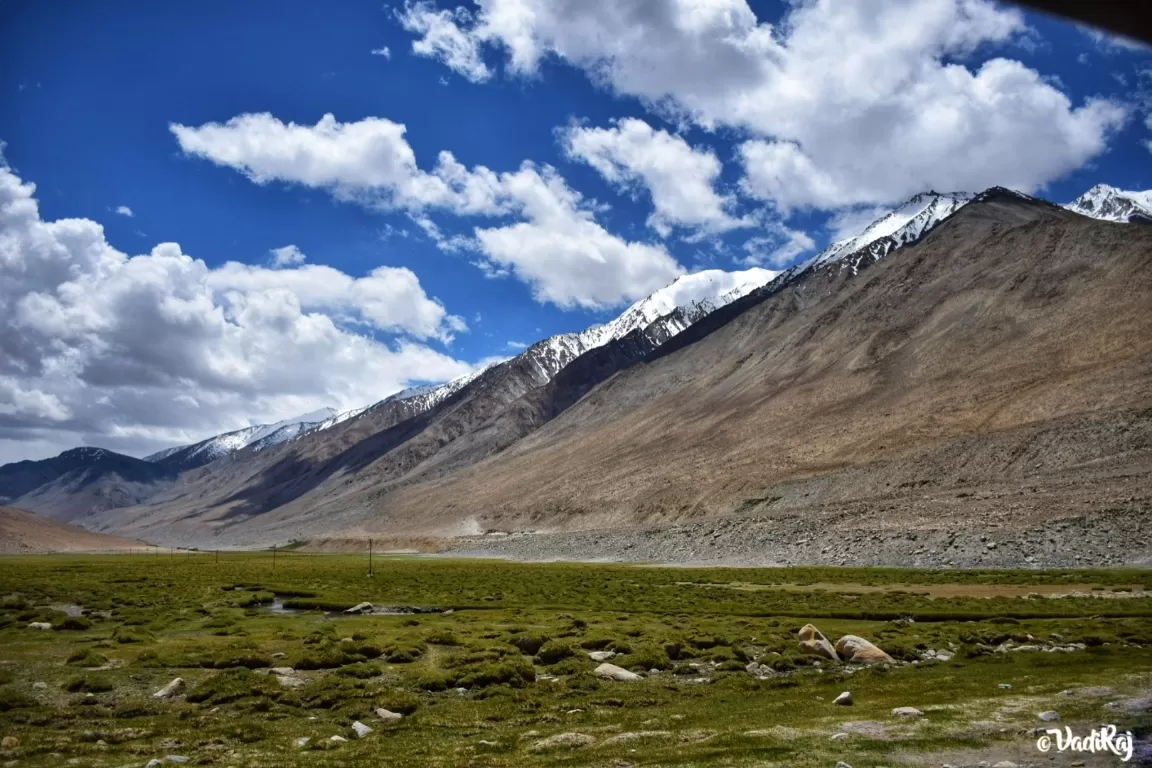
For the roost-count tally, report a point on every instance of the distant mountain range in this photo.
(734, 384)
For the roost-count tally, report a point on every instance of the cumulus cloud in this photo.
(442, 38)
(124, 210)
(680, 179)
(553, 241)
(778, 246)
(847, 102)
(138, 352)
(288, 256)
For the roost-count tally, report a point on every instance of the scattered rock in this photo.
(844, 699)
(1006, 686)
(287, 671)
(564, 741)
(9, 741)
(613, 672)
(625, 738)
(174, 688)
(907, 712)
(290, 682)
(486, 743)
(812, 642)
(1132, 705)
(1050, 716)
(39, 625)
(388, 716)
(338, 739)
(839, 736)
(1005, 764)
(361, 608)
(859, 651)
(601, 655)
(177, 759)
(302, 741)
(40, 686)
(279, 655)
(842, 765)
(154, 763)
(361, 729)
(756, 669)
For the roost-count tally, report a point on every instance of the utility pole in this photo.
(370, 573)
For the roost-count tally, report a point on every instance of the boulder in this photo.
(812, 642)
(337, 738)
(859, 651)
(564, 741)
(174, 688)
(907, 712)
(601, 655)
(844, 699)
(283, 671)
(388, 716)
(1050, 716)
(361, 729)
(39, 625)
(613, 672)
(288, 681)
(361, 608)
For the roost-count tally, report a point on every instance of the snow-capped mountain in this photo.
(260, 436)
(902, 226)
(1111, 204)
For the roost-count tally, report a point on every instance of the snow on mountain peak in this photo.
(904, 225)
(1108, 203)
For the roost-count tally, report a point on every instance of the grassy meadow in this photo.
(501, 676)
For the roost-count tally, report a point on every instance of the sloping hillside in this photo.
(23, 532)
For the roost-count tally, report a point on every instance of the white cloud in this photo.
(441, 38)
(680, 179)
(288, 256)
(124, 210)
(557, 246)
(1110, 43)
(848, 101)
(385, 52)
(138, 352)
(518, 345)
(778, 247)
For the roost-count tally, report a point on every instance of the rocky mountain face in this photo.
(80, 482)
(1111, 204)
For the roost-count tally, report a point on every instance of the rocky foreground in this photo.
(1117, 540)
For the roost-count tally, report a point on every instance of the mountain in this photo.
(903, 226)
(261, 436)
(24, 532)
(1111, 204)
(966, 384)
(423, 432)
(81, 481)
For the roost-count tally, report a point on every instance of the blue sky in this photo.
(653, 147)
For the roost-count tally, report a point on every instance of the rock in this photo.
(839, 736)
(601, 655)
(1050, 716)
(944, 655)
(154, 763)
(361, 608)
(486, 743)
(174, 688)
(812, 642)
(859, 651)
(41, 686)
(302, 741)
(290, 682)
(40, 625)
(177, 758)
(338, 739)
(388, 716)
(844, 699)
(288, 671)
(564, 741)
(907, 712)
(842, 765)
(613, 672)
(279, 655)
(1005, 764)
(1006, 686)
(9, 741)
(361, 729)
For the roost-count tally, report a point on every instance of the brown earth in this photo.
(25, 533)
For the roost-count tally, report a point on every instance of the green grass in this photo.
(509, 665)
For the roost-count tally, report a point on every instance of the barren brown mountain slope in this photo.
(23, 532)
(999, 369)
(1013, 345)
